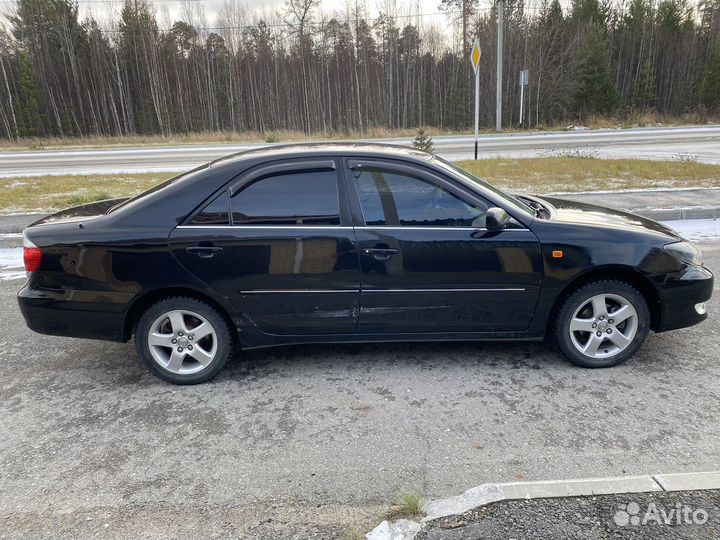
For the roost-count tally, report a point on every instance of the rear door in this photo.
(428, 264)
(279, 245)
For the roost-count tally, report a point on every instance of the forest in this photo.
(139, 71)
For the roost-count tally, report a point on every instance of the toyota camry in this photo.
(352, 243)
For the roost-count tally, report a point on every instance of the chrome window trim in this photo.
(423, 228)
(276, 227)
(345, 227)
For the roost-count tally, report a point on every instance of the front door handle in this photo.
(204, 252)
(380, 254)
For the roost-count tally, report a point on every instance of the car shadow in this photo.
(428, 357)
(404, 355)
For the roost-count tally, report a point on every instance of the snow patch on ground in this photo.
(630, 190)
(15, 184)
(697, 230)
(11, 264)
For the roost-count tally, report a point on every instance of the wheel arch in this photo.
(140, 304)
(626, 274)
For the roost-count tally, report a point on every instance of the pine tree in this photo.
(643, 90)
(27, 105)
(423, 141)
(710, 94)
(595, 92)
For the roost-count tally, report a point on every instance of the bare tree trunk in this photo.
(10, 103)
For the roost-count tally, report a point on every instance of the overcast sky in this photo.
(171, 10)
(175, 8)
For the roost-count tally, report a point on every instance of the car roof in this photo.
(297, 150)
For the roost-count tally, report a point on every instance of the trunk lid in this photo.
(83, 212)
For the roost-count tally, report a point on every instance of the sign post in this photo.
(475, 60)
(524, 76)
(499, 75)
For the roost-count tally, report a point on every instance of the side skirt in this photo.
(246, 342)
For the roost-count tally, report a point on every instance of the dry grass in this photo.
(210, 137)
(48, 193)
(648, 119)
(407, 505)
(536, 175)
(558, 174)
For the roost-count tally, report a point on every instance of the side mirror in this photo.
(496, 219)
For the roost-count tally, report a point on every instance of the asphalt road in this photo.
(701, 143)
(313, 442)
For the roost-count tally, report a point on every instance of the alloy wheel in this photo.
(603, 326)
(182, 342)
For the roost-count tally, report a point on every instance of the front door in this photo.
(278, 245)
(428, 264)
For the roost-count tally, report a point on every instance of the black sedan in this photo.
(352, 243)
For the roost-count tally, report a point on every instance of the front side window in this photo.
(294, 198)
(507, 199)
(396, 199)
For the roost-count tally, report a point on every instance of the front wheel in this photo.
(602, 324)
(183, 340)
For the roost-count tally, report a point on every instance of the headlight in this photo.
(687, 252)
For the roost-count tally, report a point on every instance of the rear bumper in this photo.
(84, 314)
(679, 298)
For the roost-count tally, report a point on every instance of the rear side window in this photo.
(215, 213)
(295, 198)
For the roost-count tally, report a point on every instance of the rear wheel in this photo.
(602, 324)
(184, 340)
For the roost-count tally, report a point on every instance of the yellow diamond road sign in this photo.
(475, 55)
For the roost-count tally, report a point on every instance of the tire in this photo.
(598, 339)
(184, 340)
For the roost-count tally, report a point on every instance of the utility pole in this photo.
(500, 37)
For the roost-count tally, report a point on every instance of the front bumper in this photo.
(84, 314)
(680, 297)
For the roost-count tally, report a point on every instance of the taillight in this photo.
(31, 255)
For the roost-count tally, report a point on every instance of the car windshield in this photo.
(509, 199)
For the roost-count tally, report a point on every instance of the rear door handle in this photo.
(204, 252)
(380, 254)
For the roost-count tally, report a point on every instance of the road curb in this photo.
(676, 214)
(688, 481)
(486, 494)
